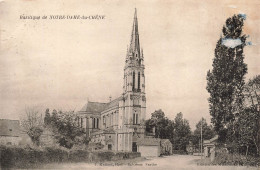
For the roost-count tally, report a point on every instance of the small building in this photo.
(209, 147)
(9, 132)
(166, 147)
(190, 148)
(149, 147)
(154, 147)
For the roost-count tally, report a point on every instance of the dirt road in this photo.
(182, 162)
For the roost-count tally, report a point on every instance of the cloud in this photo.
(231, 43)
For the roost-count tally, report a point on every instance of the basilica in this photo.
(119, 125)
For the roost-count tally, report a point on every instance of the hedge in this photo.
(27, 157)
(235, 159)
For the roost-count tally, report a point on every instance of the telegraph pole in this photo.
(201, 140)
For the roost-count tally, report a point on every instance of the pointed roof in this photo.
(134, 44)
(94, 107)
(97, 107)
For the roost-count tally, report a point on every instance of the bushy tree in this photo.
(47, 118)
(182, 132)
(225, 81)
(33, 124)
(249, 120)
(163, 126)
(207, 132)
(66, 130)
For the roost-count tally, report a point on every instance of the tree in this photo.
(249, 119)
(47, 118)
(65, 129)
(207, 132)
(33, 125)
(225, 81)
(163, 126)
(182, 132)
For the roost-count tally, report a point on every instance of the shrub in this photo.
(223, 158)
(80, 156)
(33, 157)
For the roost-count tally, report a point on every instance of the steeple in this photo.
(134, 44)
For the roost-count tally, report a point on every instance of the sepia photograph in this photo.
(134, 84)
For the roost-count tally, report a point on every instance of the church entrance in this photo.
(134, 147)
(109, 147)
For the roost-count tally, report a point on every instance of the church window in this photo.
(133, 80)
(135, 118)
(81, 122)
(97, 122)
(94, 123)
(138, 80)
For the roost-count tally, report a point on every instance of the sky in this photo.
(62, 64)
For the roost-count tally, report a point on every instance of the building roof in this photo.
(97, 108)
(165, 141)
(94, 107)
(210, 141)
(113, 103)
(9, 127)
(148, 141)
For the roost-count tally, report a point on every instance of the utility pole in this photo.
(201, 140)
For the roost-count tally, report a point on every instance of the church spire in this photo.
(134, 44)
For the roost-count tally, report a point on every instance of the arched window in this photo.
(133, 80)
(97, 122)
(138, 80)
(81, 122)
(94, 123)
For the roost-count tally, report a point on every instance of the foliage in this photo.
(47, 118)
(30, 157)
(224, 158)
(33, 124)
(207, 132)
(66, 130)
(13, 157)
(249, 120)
(182, 132)
(163, 126)
(225, 81)
(177, 131)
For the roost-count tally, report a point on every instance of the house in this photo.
(154, 147)
(209, 147)
(166, 147)
(9, 132)
(149, 147)
(190, 148)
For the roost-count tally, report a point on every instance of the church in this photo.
(119, 124)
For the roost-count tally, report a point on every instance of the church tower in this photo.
(133, 105)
